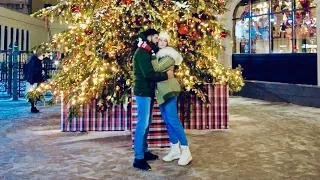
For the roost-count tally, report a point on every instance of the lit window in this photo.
(275, 26)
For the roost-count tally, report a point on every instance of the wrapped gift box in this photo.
(214, 116)
(119, 118)
(201, 116)
(158, 135)
(116, 118)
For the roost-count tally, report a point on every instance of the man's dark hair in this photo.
(150, 32)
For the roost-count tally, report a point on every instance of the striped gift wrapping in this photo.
(202, 117)
(116, 118)
(158, 136)
(214, 116)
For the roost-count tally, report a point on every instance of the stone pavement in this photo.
(12, 111)
(265, 141)
(9, 111)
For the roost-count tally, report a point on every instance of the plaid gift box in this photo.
(201, 117)
(158, 135)
(214, 116)
(116, 118)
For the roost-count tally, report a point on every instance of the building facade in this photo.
(27, 6)
(39, 4)
(21, 6)
(22, 29)
(276, 43)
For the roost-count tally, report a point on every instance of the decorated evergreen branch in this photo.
(101, 39)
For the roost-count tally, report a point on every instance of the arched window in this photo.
(275, 26)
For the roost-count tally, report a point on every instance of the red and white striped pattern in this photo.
(158, 136)
(113, 119)
(202, 117)
(118, 119)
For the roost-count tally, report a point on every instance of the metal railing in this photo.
(13, 69)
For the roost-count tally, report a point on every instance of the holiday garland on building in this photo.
(101, 38)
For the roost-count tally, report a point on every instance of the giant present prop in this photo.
(118, 118)
(214, 116)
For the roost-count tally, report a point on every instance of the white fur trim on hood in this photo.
(171, 52)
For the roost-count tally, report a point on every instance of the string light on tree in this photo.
(98, 46)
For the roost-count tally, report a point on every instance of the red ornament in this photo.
(194, 35)
(88, 31)
(107, 15)
(182, 29)
(79, 40)
(75, 8)
(221, 3)
(127, 1)
(223, 34)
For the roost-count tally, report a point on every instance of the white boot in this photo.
(185, 156)
(174, 153)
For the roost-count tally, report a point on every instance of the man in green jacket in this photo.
(145, 79)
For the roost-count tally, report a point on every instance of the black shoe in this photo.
(34, 110)
(148, 156)
(141, 164)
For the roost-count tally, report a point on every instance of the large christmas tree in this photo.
(101, 38)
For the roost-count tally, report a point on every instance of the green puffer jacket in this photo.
(165, 60)
(144, 75)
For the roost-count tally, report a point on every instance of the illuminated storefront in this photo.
(276, 40)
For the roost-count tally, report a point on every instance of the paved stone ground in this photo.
(265, 141)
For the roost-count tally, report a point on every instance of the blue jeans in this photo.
(144, 107)
(170, 116)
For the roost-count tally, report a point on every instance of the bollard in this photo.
(15, 96)
(9, 56)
